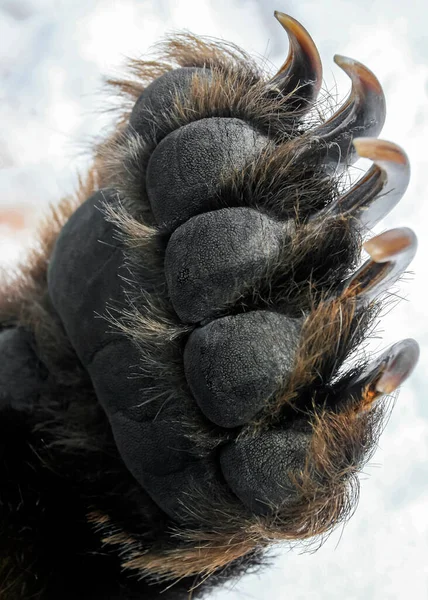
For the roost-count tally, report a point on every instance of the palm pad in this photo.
(210, 295)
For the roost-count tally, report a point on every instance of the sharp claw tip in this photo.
(366, 147)
(288, 22)
(358, 144)
(280, 16)
(340, 60)
(388, 386)
(401, 368)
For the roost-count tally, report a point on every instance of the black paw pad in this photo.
(186, 168)
(258, 469)
(160, 97)
(233, 365)
(214, 257)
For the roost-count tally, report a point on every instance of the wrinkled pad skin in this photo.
(186, 168)
(211, 258)
(234, 364)
(159, 98)
(257, 469)
(85, 274)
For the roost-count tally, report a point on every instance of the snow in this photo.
(52, 61)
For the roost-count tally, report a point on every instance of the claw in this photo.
(363, 113)
(392, 162)
(375, 194)
(391, 252)
(385, 374)
(302, 70)
(400, 361)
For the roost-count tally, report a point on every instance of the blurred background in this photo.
(53, 57)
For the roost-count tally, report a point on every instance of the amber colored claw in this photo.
(391, 252)
(400, 362)
(385, 374)
(381, 188)
(392, 162)
(302, 71)
(363, 113)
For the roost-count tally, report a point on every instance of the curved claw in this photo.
(391, 253)
(400, 360)
(381, 188)
(392, 163)
(385, 374)
(363, 113)
(301, 73)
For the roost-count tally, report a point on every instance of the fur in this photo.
(127, 539)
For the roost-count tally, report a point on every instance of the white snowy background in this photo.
(53, 54)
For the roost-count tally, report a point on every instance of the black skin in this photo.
(142, 464)
(226, 361)
(44, 531)
(67, 560)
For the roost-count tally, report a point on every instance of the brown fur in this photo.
(286, 177)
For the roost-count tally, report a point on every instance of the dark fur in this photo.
(70, 511)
